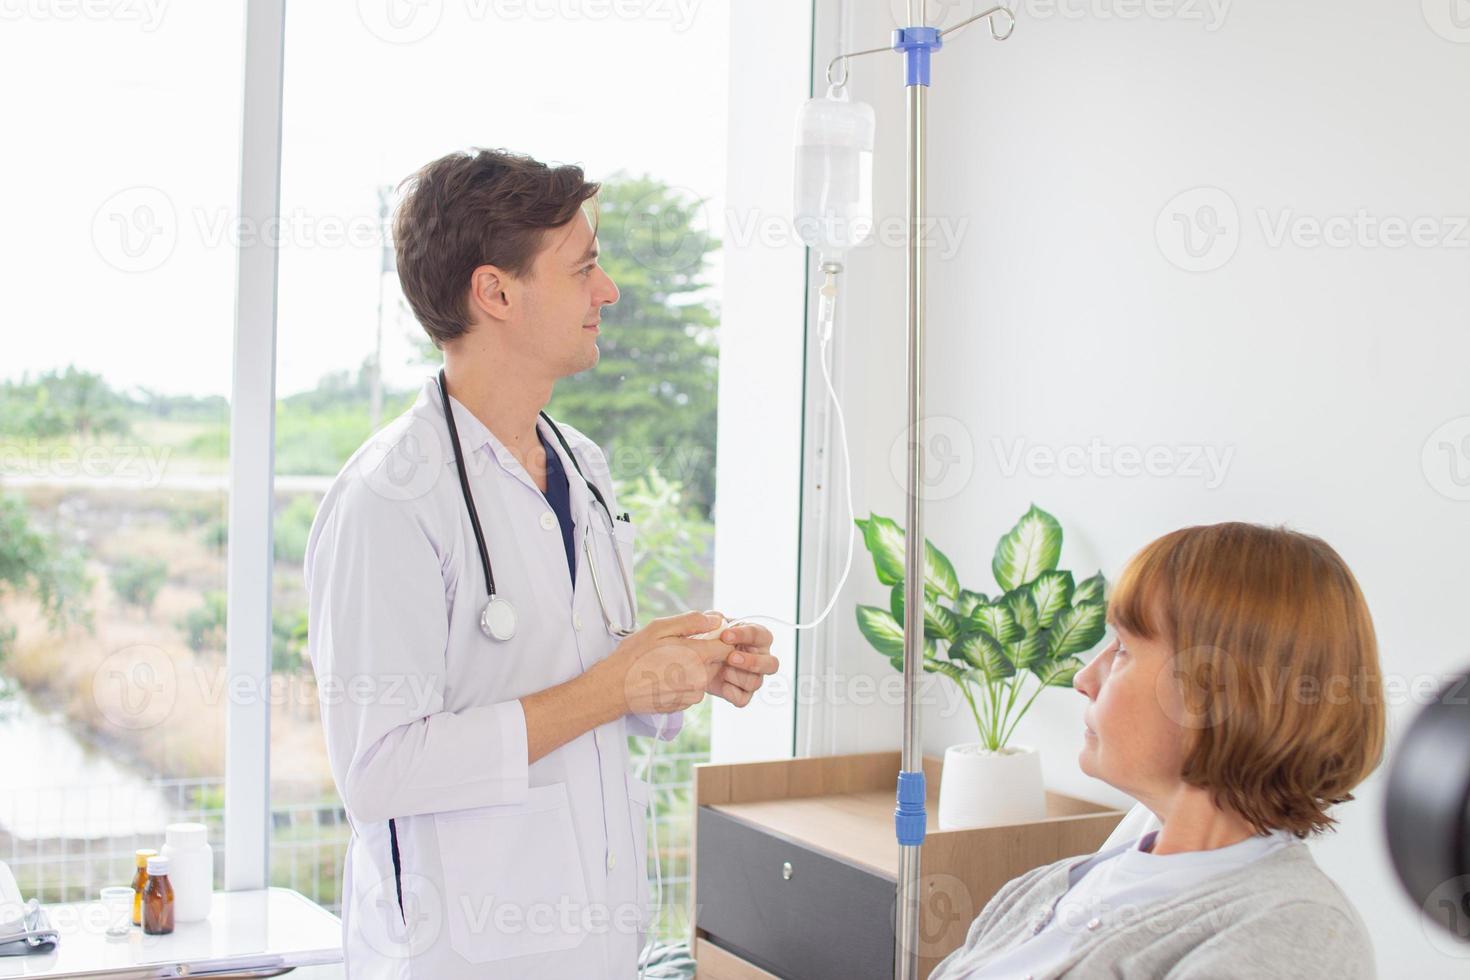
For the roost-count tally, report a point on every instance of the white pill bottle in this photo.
(191, 869)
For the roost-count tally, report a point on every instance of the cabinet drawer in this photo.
(829, 919)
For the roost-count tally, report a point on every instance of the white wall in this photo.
(1063, 316)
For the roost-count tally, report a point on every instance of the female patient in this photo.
(1239, 699)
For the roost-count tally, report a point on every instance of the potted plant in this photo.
(1033, 630)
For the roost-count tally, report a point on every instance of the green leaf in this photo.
(939, 622)
(1031, 547)
(939, 573)
(968, 602)
(1057, 673)
(1027, 652)
(886, 635)
(1052, 592)
(881, 630)
(997, 620)
(983, 653)
(885, 541)
(949, 669)
(1090, 589)
(1023, 608)
(1077, 628)
(931, 656)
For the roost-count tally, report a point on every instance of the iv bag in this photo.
(834, 172)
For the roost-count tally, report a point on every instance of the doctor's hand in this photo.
(660, 669)
(744, 670)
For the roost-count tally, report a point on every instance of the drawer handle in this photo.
(786, 870)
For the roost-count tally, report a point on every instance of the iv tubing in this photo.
(826, 314)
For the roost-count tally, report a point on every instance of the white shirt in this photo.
(1116, 890)
(505, 869)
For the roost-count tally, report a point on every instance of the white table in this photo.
(248, 934)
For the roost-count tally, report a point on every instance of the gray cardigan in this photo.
(1280, 917)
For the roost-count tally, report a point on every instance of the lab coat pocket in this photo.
(639, 813)
(513, 878)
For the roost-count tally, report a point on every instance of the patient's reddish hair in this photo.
(1277, 662)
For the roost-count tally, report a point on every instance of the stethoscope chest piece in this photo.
(498, 619)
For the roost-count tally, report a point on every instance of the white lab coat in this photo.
(505, 870)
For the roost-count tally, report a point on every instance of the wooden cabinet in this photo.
(796, 867)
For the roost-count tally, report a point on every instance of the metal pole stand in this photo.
(916, 44)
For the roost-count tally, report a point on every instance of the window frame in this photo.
(747, 575)
(252, 458)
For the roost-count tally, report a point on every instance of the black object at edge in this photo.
(397, 869)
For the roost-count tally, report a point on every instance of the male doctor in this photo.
(496, 829)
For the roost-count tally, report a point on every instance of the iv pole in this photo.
(909, 817)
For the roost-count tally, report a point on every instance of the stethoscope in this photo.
(498, 618)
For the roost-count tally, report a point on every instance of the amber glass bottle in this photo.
(140, 878)
(158, 899)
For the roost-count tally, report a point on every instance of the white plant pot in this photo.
(980, 787)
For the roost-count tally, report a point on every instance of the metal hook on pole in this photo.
(1010, 22)
(844, 58)
(991, 13)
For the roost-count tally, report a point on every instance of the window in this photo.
(566, 89)
(122, 160)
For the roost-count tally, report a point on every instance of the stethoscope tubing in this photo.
(469, 502)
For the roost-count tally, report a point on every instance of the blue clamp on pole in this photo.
(909, 817)
(916, 43)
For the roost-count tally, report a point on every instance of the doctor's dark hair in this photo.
(473, 208)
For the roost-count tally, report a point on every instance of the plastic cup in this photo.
(118, 901)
